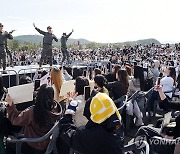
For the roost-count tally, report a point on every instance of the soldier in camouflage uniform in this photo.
(64, 50)
(47, 45)
(3, 45)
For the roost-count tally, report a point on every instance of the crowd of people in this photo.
(163, 53)
(95, 125)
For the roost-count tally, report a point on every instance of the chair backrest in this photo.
(52, 134)
(134, 147)
(122, 101)
(53, 137)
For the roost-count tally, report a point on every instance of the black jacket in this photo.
(165, 104)
(111, 77)
(48, 37)
(117, 88)
(93, 139)
(64, 40)
(3, 38)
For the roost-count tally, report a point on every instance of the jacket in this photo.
(64, 40)
(111, 77)
(48, 37)
(79, 119)
(32, 129)
(117, 89)
(92, 139)
(3, 40)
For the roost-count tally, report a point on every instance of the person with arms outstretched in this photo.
(4, 35)
(47, 44)
(64, 50)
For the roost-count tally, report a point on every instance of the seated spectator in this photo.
(120, 87)
(154, 68)
(100, 83)
(137, 83)
(111, 77)
(13, 129)
(97, 71)
(56, 83)
(103, 134)
(129, 70)
(37, 120)
(66, 76)
(77, 72)
(168, 82)
(78, 118)
(151, 131)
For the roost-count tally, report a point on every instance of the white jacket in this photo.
(78, 118)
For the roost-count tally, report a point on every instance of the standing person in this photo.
(3, 45)
(64, 50)
(47, 44)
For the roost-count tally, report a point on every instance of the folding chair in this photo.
(135, 148)
(52, 134)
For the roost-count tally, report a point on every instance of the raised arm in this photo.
(70, 34)
(18, 118)
(40, 31)
(165, 104)
(9, 35)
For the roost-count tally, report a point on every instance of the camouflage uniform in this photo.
(3, 47)
(64, 47)
(47, 46)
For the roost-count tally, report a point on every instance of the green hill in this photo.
(38, 38)
(142, 42)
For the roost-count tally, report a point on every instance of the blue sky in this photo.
(96, 20)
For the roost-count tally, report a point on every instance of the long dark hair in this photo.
(139, 74)
(44, 103)
(100, 80)
(123, 77)
(80, 83)
(172, 73)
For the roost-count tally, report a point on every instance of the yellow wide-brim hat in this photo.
(102, 107)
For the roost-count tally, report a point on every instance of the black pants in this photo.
(3, 57)
(154, 97)
(46, 55)
(148, 132)
(10, 56)
(26, 149)
(65, 53)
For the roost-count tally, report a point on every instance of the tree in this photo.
(13, 45)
